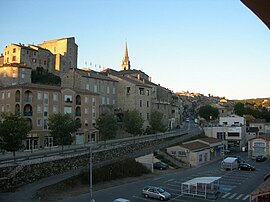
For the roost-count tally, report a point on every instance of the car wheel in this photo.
(161, 198)
(146, 195)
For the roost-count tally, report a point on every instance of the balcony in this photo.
(29, 113)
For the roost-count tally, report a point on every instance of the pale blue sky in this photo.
(206, 46)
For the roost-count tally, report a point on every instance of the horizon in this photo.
(217, 48)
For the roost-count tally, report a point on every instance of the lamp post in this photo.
(90, 170)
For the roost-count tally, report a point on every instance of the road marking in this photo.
(224, 196)
(238, 197)
(245, 198)
(232, 195)
(169, 180)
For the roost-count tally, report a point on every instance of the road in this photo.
(235, 185)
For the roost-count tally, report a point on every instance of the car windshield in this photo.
(160, 190)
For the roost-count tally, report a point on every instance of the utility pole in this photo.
(91, 171)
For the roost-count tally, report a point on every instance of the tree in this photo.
(133, 122)
(208, 112)
(107, 125)
(240, 109)
(61, 127)
(156, 122)
(13, 130)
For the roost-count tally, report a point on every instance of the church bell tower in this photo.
(125, 61)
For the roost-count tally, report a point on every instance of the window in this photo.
(45, 111)
(7, 107)
(45, 62)
(128, 90)
(113, 90)
(108, 89)
(23, 76)
(102, 100)
(147, 92)
(3, 95)
(45, 124)
(141, 90)
(87, 86)
(7, 59)
(39, 122)
(54, 109)
(95, 88)
(86, 122)
(85, 100)
(13, 58)
(231, 134)
(85, 110)
(67, 110)
(140, 103)
(200, 158)
(55, 97)
(14, 50)
(220, 136)
(8, 94)
(147, 116)
(4, 75)
(108, 101)
(113, 102)
(147, 103)
(39, 95)
(93, 101)
(2, 108)
(93, 113)
(46, 101)
(38, 108)
(13, 75)
(68, 98)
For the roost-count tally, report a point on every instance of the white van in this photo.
(229, 163)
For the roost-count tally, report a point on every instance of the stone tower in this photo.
(125, 61)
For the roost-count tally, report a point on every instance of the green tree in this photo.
(13, 130)
(107, 125)
(208, 112)
(156, 122)
(133, 122)
(61, 127)
(239, 109)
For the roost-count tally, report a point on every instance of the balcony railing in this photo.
(30, 113)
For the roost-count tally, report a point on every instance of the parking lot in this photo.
(234, 185)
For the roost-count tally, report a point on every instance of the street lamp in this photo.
(90, 169)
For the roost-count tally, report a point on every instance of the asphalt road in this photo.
(235, 185)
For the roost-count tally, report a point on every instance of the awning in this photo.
(201, 180)
(261, 8)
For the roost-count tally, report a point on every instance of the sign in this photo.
(212, 150)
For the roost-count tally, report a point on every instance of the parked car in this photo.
(121, 200)
(160, 165)
(155, 192)
(260, 158)
(239, 159)
(246, 166)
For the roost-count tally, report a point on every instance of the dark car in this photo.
(160, 165)
(260, 158)
(246, 166)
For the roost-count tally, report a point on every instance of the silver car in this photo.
(155, 192)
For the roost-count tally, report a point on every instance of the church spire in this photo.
(125, 61)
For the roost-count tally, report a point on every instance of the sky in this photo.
(210, 47)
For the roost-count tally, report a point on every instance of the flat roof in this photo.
(201, 180)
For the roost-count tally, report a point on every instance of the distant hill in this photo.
(259, 102)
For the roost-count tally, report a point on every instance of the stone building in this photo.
(13, 74)
(95, 82)
(65, 51)
(37, 102)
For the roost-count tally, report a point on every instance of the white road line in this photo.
(169, 180)
(231, 197)
(245, 198)
(224, 196)
(238, 197)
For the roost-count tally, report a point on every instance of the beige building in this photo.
(95, 82)
(55, 56)
(13, 74)
(37, 102)
(65, 51)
